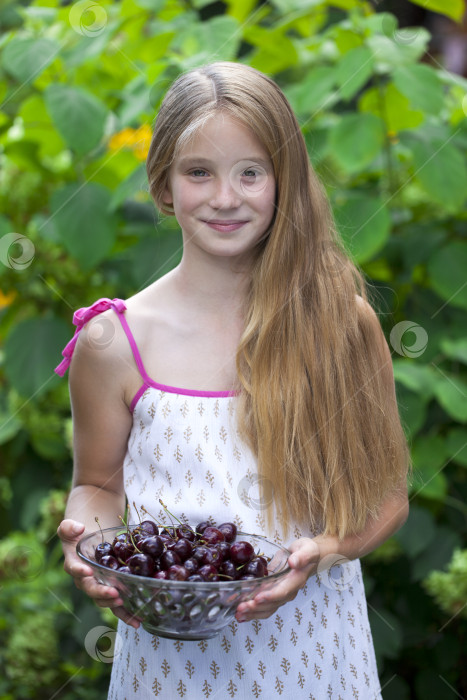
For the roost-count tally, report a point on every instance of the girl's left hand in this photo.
(304, 562)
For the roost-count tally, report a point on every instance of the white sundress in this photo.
(184, 448)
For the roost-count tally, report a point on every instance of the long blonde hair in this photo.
(313, 405)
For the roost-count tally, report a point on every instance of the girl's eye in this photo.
(197, 172)
(250, 173)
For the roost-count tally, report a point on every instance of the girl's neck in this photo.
(213, 285)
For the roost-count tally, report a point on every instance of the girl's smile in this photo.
(222, 182)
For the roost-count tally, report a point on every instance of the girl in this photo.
(251, 383)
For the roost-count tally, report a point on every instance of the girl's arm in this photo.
(101, 426)
(311, 555)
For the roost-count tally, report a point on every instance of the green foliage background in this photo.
(80, 85)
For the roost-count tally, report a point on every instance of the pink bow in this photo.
(80, 318)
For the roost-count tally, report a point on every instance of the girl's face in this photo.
(222, 188)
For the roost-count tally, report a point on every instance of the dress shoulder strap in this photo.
(83, 316)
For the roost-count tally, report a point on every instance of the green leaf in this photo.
(9, 424)
(199, 42)
(422, 86)
(286, 6)
(417, 532)
(446, 269)
(456, 445)
(38, 126)
(32, 350)
(278, 54)
(418, 378)
(387, 633)
(353, 71)
(412, 409)
(451, 8)
(83, 221)
(364, 224)
(136, 183)
(356, 140)
(441, 170)
(314, 92)
(25, 59)
(456, 349)
(392, 106)
(437, 555)
(79, 116)
(429, 459)
(398, 49)
(240, 9)
(451, 392)
(155, 255)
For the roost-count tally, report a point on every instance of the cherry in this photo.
(241, 552)
(200, 528)
(168, 541)
(247, 577)
(168, 559)
(191, 565)
(209, 572)
(181, 553)
(256, 568)
(170, 531)
(123, 550)
(229, 530)
(183, 548)
(109, 561)
(177, 573)
(154, 546)
(148, 528)
(228, 568)
(102, 549)
(160, 575)
(141, 564)
(185, 532)
(122, 537)
(199, 553)
(224, 549)
(212, 535)
(213, 556)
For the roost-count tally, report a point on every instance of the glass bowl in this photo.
(187, 610)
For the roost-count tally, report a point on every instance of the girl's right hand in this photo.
(70, 532)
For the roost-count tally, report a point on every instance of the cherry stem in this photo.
(151, 516)
(129, 533)
(170, 514)
(102, 534)
(137, 512)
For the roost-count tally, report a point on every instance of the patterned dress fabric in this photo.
(184, 448)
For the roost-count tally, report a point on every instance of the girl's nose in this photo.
(225, 195)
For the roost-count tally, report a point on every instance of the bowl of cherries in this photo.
(182, 581)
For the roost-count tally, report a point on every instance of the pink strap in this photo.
(83, 316)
